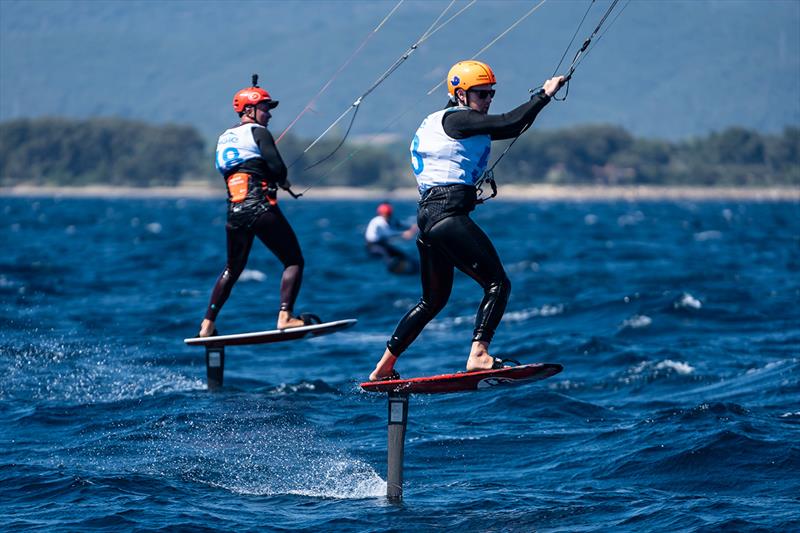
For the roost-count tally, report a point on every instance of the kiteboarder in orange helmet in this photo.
(449, 154)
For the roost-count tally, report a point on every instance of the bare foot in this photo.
(286, 320)
(479, 358)
(384, 367)
(206, 328)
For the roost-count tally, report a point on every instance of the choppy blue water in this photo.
(678, 409)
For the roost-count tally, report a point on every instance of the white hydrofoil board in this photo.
(274, 335)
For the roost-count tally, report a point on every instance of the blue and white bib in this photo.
(438, 159)
(235, 146)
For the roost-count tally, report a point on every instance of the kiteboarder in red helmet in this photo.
(253, 171)
(380, 230)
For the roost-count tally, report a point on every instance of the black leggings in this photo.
(455, 241)
(272, 228)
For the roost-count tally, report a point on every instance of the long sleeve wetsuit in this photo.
(450, 239)
(257, 214)
(462, 124)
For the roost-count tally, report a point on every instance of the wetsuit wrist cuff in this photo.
(541, 94)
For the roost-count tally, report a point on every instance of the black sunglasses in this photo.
(483, 93)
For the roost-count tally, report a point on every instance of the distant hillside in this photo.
(665, 69)
(123, 152)
(104, 151)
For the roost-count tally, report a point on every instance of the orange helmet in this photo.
(385, 209)
(467, 74)
(252, 96)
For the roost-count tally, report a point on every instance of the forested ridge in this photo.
(109, 151)
(114, 151)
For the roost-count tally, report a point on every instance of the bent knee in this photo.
(232, 273)
(430, 308)
(500, 286)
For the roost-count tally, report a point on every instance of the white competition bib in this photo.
(438, 159)
(235, 146)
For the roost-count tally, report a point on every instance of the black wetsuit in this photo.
(449, 238)
(258, 215)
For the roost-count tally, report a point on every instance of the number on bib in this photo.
(481, 164)
(416, 160)
(230, 158)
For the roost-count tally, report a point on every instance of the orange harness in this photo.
(239, 184)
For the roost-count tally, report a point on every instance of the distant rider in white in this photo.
(380, 230)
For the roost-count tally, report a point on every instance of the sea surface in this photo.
(678, 325)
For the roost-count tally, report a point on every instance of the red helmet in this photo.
(385, 209)
(252, 96)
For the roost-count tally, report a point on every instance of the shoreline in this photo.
(506, 192)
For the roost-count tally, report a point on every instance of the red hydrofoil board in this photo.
(466, 381)
(275, 335)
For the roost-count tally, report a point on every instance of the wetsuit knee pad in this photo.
(503, 287)
(411, 325)
(492, 309)
(498, 290)
(428, 310)
(501, 291)
(231, 274)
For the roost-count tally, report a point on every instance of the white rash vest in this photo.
(381, 230)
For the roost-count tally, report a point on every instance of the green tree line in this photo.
(610, 155)
(111, 151)
(122, 152)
